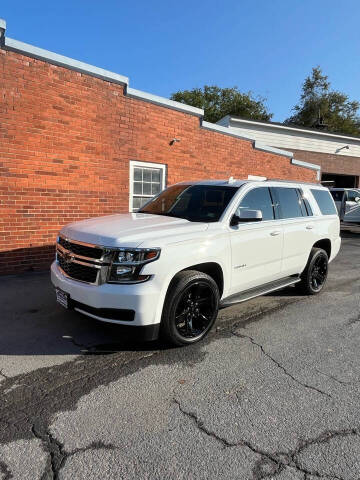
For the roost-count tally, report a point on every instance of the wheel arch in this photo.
(212, 269)
(325, 244)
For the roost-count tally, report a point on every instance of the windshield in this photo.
(196, 203)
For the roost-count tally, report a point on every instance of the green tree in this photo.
(323, 108)
(218, 102)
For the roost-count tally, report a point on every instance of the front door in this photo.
(256, 247)
(352, 206)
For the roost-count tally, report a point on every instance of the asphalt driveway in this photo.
(273, 392)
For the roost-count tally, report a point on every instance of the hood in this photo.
(129, 230)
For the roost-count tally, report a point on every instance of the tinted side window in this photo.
(259, 199)
(325, 202)
(351, 195)
(289, 202)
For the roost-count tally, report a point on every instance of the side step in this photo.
(257, 291)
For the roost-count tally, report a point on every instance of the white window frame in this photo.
(136, 163)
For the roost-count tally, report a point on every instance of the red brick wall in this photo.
(65, 143)
(330, 163)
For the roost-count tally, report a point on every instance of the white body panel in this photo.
(249, 255)
(129, 229)
(252, 264)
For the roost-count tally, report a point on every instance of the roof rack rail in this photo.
(292, 181)
(258, 178)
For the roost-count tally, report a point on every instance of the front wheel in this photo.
(190, 309)
(315, 274)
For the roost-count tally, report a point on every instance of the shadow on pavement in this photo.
(32, 323)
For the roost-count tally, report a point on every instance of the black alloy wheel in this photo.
(190, 309)
(319, 272)
(315, 274)
(195, 310)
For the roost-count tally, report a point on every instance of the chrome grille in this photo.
(82, 261)
(77, 271)
(82, 249)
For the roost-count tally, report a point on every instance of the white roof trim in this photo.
(291, 129)
(278, 151)
(57, 59)
(311, 166)
(226, 130)
(164, 102)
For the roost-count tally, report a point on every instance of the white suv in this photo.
(197, 245)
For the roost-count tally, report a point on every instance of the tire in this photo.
(314, 276)
(190, 308)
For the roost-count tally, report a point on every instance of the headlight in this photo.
(128, 262)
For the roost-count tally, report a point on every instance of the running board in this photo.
(257, 291)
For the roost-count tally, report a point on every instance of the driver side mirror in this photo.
(246, 215)
(357, 199)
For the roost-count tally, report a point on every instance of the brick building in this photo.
(337, 155)
(76, 141)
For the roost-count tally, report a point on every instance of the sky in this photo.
(267, 47)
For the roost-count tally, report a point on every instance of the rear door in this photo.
(298, 227)
(352, 206)
(256, 247)
(338, 196)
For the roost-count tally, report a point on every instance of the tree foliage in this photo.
(218, 102)
(321, 107)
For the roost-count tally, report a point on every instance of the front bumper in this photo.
(106, 302)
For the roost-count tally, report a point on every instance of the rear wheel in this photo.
(315, 274)
(190, 308)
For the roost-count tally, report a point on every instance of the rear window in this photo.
(325, 202)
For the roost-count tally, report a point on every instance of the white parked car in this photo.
(197, 245)
(347, 201)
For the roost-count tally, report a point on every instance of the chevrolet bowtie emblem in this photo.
(68, 257)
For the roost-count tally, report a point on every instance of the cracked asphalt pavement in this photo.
(273, 392)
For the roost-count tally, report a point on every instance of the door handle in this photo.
(275, 232)
(309, 227)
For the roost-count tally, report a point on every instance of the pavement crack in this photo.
(199, 424)
(281, 367)
(57, 454)
(267, 467)
(324, 437)
(55, 450)
(342, 382)
(272, 464)
(93, 446)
